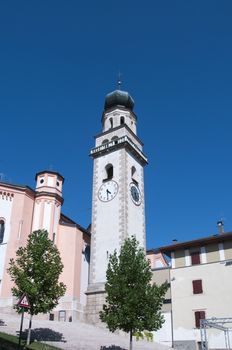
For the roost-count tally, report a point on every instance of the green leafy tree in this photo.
(36, 271)
(133, 304)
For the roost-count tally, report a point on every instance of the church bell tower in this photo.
(118, 192)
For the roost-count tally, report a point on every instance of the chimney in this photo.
(174, 241)
(220, 226)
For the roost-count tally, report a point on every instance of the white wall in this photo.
(106, 218)
(116, 115)
(36, 216)
(47, 216)
(5, 213)
(56, 219)
(51, 181)
(135, 213)
(164, 335)
(84, 279)
(215, 299)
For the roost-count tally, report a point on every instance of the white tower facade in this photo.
(118, 210)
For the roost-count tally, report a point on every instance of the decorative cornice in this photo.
(7, 195)
(26, 189)
(121, 142)
(49, 194)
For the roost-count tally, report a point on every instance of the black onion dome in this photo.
(119, 98)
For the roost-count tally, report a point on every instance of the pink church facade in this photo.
(23, 210)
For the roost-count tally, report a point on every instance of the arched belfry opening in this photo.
(109, 171)
(115, 139)
(122, 120)
(111, 123)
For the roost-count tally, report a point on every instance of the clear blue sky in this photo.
(58, 60)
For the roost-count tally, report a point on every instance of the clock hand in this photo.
(107, 192)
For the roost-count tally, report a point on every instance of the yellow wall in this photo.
(160, 276)
(179, 258)
(228, 249)
(212, 252)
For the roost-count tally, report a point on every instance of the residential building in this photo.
(200, 277)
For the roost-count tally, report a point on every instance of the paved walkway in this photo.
(75, 335)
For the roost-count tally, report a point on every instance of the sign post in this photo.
(21, 327)
(24, 304)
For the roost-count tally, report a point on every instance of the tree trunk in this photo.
(29, 331)
(130, 348)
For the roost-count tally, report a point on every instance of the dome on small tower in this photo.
(119, 98)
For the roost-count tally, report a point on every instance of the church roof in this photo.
(65, 220)
(196, 242)
(50, 172)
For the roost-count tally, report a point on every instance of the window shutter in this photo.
(199, 315)
(202, 315)
(197, 287)
(195, 258)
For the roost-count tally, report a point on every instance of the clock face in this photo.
(135, 193)
(108, 191)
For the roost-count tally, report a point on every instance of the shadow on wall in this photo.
(111, 347)
(44, 334)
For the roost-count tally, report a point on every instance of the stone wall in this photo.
(94, 305)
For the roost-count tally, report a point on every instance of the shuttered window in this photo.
(199, 315)
(195, 258)
(197, 287)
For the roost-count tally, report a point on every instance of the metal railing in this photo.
(215, 323)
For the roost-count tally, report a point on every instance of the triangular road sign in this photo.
(23, 301)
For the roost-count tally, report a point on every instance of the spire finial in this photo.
(119, 81)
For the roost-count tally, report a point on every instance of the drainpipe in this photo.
(172, 331)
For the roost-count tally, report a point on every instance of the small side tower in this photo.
(48, 202)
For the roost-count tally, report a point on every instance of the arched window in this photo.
(105, 141)
(87, 253)
(2, 230)
(122, 120)
(133, 171)
(111, 123)
(53, 237)
(134, 175)
(109, 171)
(115, 139)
